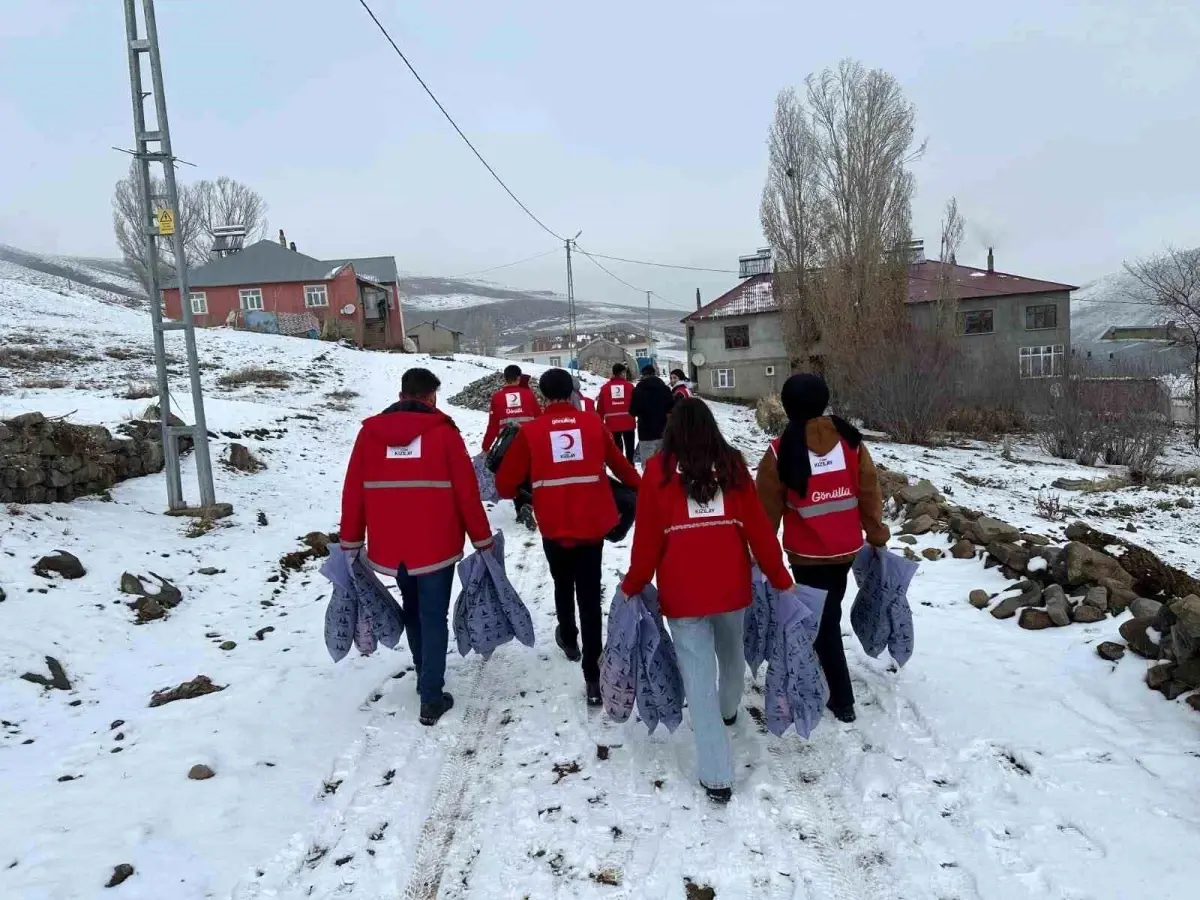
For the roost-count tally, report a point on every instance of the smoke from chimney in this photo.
(991, 262)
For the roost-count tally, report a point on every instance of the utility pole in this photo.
(649, 341)
(571, 329)
(160, 218)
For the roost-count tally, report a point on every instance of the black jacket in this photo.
(651, 403)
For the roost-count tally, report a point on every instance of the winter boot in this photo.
(570, 650)
(525, 517)
(431, 712)
(593, 694)
(844, 713)
(718, 795)
(731, 721)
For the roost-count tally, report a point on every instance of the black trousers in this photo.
(828, 645)
(628, 440)
(576, 573)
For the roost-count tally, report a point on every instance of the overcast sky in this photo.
(1067, 130)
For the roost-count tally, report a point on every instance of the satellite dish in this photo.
(697, 359)
(348, 309)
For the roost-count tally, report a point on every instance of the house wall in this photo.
(599, 358)
(434, 340)
(1000, 351)
(749, 364)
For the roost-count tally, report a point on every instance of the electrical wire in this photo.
(506, 265)
(613, 275)
(449, 118)
(643, 262)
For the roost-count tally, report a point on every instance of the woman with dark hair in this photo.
(698, 521)
(819, 480)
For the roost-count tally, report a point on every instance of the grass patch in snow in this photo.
(257, 376)
(33, 358)
(50, 384)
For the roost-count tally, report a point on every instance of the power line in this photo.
(449, 118)
(613, 275)
(505, 266)
(643, 262)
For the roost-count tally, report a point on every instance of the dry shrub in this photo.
(30, 358)
(340, 396)
(1049, 506)
(140, 390)
(43, 383)
(770, 416)
(254, 375)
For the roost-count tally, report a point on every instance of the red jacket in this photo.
(513, 403)
(613, 404)
(411, 493)
(825, 523)
(564, 453)
(589, 405)
(701, 553)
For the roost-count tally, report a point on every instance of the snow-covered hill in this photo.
(1112, 301)
(998, 764)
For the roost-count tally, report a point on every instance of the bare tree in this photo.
(789, 218)
(130, 228)
(1171, 283)
(229, 202)
(954, 228)
(487, 337)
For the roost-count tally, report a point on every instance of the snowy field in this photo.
(999, 764)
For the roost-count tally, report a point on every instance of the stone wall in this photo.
(48, 461)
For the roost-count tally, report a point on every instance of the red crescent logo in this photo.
(570, 441)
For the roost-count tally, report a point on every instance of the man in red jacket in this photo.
(564, 452)
(613, 406)
(514, 403)
(411, 495)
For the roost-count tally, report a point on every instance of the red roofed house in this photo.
(735, 344)
(270, 286)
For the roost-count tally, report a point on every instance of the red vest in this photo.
(567, 466)
(613, 405)
(825, 523)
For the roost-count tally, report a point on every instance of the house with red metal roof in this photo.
(736, 349)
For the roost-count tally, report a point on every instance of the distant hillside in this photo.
(1107, 302)
(108, 280)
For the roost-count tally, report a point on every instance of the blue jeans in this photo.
(426, 610)
(713, 664)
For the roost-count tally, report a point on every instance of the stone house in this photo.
(433, 337)
(601, 355)
(736, 349)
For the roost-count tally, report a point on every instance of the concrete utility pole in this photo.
(649, 341)
(160, 218)
(571, 325)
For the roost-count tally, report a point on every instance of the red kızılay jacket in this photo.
(512, 403)
(613, 404)
(564, 453)
(411, 494)
(700, 552)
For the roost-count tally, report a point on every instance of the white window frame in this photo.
(1033, 361)
(723, 379)
(199, 302)
(247, 297)
(310, 291)
(769, 370)
(556, 360)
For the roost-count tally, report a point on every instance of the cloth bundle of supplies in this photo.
(488, 611)
(780, 627)
(881, 616)
(639, 665)
(485, 477)
(361, 612)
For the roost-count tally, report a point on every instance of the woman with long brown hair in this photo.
(698, 521)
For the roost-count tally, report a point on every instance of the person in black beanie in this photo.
(820, 481)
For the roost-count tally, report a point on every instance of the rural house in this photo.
(433, 337)
(271, 287)
(735, 344)
(557, 349)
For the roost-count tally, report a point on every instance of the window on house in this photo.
(981, 321)
(722, 379)
(251, 299)
(199, 301)
(1041, 316)
(737, 336)
(1042, 362)
(556, 360)
(316, 295)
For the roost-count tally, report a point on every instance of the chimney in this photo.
(282, 239)
(991, 262)
(292, 245)
(697, 298)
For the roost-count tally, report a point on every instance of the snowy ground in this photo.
(998, 764)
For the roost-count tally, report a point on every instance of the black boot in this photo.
(718, 795)
(731, 721)
(571, 649)
(593, 694)
(431, 712)
(844, 713)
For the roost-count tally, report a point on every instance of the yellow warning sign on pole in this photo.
(166, 222)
